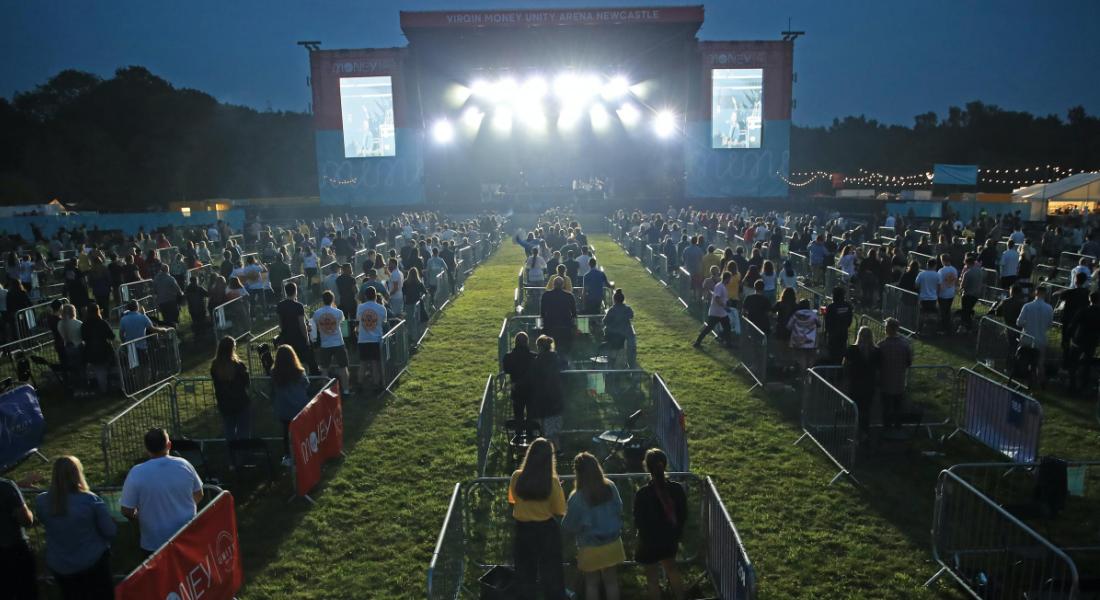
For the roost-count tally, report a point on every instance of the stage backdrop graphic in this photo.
(737, 143)
(368, 152)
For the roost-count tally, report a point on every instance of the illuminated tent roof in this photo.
(1081, 187)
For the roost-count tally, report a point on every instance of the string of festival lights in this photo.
(1010, 176)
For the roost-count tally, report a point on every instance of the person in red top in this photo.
(749, 233)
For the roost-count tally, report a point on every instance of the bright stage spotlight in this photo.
(472, 117)
(533, 89)
(665, 124)
(628, 114)
(598, 115)
(502, 119)
(567, 86)
(568, 117)
(480, 88)
(504, 90)
(443, 132)
(533, 117)
(616, 88)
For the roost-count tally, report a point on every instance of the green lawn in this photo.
(379, 511)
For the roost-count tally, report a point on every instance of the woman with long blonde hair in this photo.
(289, 392)
(595, 516)
(79, 530)
(537, 501)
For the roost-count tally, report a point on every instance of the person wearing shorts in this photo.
(371, 317)
(333, 355)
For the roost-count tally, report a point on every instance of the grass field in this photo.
(379, 511)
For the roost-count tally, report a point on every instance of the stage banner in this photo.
(317, 435)
(22, 426)
(955, 174)
(202, 560)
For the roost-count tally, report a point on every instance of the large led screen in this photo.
(366, 106)
(738, 97)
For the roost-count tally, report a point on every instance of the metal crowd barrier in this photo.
(135, 290)
(32, 360)
(753, 352)
(122, 437)
(817, 299)
(801, 265)
(204, 275)
(830, 419)
(395, 354)
(232, 318)
(986, 530)
(1068, 260)
(485, 420)
(32, 321)
(148, 361)
(477, 536)
(530, 298)
(253, 347)
(671, 425)
(996, 347)
(1007, 421)
(902, 305)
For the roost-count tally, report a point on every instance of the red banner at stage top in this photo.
(316, 435)
(203, 560)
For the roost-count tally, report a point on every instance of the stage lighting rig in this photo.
(665, 124)
(443, 132)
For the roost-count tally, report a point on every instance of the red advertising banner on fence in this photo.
(317, 435)
(201, 561)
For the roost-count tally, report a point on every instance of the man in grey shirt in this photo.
(167, 293)
(972, 288)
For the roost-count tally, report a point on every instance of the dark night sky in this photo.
(887, 59)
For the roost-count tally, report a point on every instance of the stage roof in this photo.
(1082, 186)
(572, 17)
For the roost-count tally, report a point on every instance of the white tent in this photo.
(1074, 193)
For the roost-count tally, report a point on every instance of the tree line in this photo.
(135, 141)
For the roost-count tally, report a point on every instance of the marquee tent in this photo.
(1074, 193)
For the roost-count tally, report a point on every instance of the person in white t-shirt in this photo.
(718, 313)
(536, 269)
(582, 260)
(928, 286)
(333, 356)
(891, 221)
(161, 493)
(1009, 265)
(949, 280)
(213, 234)
(395, 283)
(371, 317)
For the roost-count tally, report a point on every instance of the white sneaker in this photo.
(288, 462)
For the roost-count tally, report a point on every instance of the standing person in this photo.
(99, 349)
(838, 320)
(196, 296)
(537, 502)
(1035, 320)
(1009, 265)
(788, 279)
(949, 280)
(660, 511)
(869, 269)
(972, 285)
(1086, 336)
(168, 293)
(371, 317)
(289, 393)
(594, 514)
(771, 281)
(718, 313)
(333, 356)
(536, 268)
(519, 365)
(436, 268)
(618, 328)
(16, 555)
(757, 308)
(784, 310)
(928, 288)
(895, 356)
(69, 328)
(558, 310)
(161, 494)
(803, 326)
(79, 531)
(547, 401)
(293, 330)
(594, 282)
(1073, 301)
(861, 371)
(347, 292)
(395, 286)
(231, 382)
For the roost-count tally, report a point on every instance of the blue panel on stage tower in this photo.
(737, 173)
(387, 181)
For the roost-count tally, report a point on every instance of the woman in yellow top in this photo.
(560, 272)
(537, 502)
(734, 285)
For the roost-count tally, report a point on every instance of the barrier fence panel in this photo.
(1068, 260)
(256, 347)
(670, 427)
(232, 318)
(135, 290)
(148, 361)
(447, 570)
(834, 278)
(753, 351)
(801, 265)
(902, 305)
(395, 354)
(1006, 420)
(727, 562)
(32, 321)
(997, 345)
(830, 418)
(992, 552)
(37, 358)
(921, 258)
(146, 304)
(485, 423)
(123, 437)
(531, 298)
(204, 275)
(817, 299)
(199, 418)
(416, 323)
